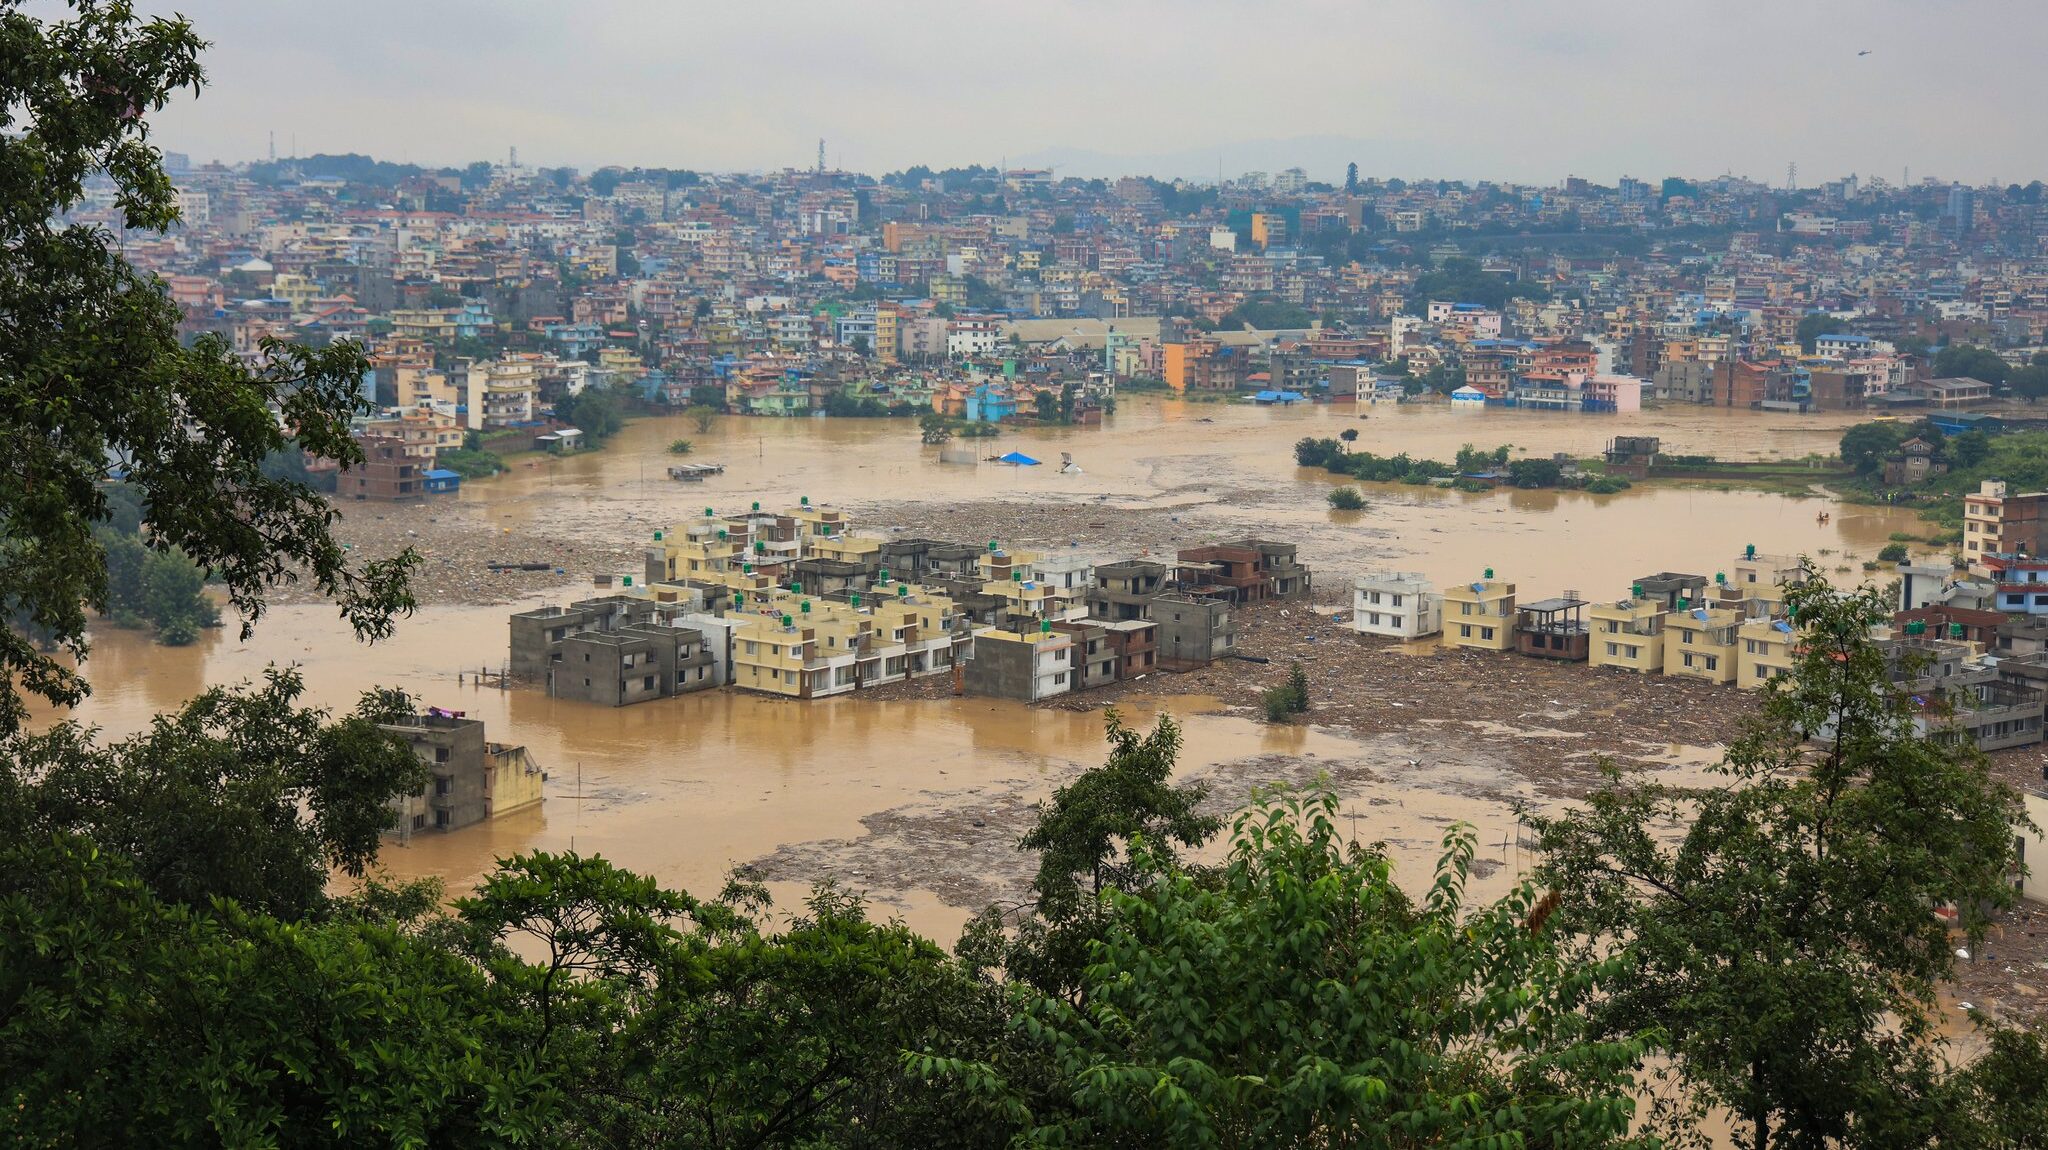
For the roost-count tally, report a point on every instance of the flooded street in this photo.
(921, 802)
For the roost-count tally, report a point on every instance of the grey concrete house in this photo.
(1125, 590)
(1192, 632)
(537, 635)
(636, 663)
(473, 779)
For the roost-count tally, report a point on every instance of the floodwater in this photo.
(1224, 468)
(884, 796)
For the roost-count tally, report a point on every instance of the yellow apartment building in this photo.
(1700, 643)
(1480, 616)
(1628, 634)
(1767, 649)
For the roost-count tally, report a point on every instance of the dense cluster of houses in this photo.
(1969, 645)
(490, 293)
(797, 603)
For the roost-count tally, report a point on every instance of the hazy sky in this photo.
(1529, 90)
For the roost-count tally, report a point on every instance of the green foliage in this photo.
(934, 428)
(92, 370)
(1346, 499)
(471, 463)
(1460, 280)
(1266, 314)
(133, 1020)
(1813, 325)
(1330, 455)
(242, 795)
(598, 412)
(677, 1021)
(1865, 445)
(1084, 836)
(681, 447)
(1276, 702)
(1786, 941)
(701, 416)
(1607, 484)
(1297, 997)
(1535, 473)
(1892, 553)
(1297, 689)
(1979, 363)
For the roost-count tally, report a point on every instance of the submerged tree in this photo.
(1780, 926)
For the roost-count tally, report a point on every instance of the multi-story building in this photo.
(472, 779)
(636, 663)
(1999, 521)
(1769, 648)
(1396, 605)
(1480, 616)
(1192, 632)
(389, 472)
(1628, 634)
(1700, 643)
(1023, 665)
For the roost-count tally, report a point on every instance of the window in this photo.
(1486, 633)
(441, 819)
(586, 682)
(1688, 658)
(440, 754)
(1713, 663)
(1613, 649)
(1464, 630)
(647, 684)
(443, 784)
(1397, 600)
(419, 821)
(1687, 636)
(1060, 680)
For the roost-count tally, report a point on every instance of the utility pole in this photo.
(1792, 177)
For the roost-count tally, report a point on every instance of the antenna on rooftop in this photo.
(1792, 177)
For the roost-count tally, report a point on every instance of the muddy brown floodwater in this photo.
(920, 802)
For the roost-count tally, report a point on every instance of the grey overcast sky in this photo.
(1529, 90)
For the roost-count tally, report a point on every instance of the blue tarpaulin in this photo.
(1018, 458)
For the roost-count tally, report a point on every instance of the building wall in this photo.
(1763, 651)
(1630, 638)
(1481, 619)
(2034, 846)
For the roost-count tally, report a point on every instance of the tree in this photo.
(1979, 363)
(174, 598)
(1785, 942)
(1346, 499)
(1535, 473)
(1084, 837)
(1297, 997)
(595, 411)
(132, 1019)
(859, 344)
(1865, 445)
(242, 795)
(1047, 406)
(933, 427)
(701, 416)
(1812, 326)
(92, 371)
(1968, 450)
(684, 1023)
(681, 447)
(1349, 435)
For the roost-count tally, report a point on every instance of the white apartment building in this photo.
(1396, 605)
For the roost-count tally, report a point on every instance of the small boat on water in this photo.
(695, 472)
